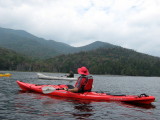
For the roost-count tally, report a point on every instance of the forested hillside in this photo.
(10, 60)
(114, 61)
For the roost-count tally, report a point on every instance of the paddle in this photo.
(49, 89)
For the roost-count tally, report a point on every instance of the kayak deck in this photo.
(56, 90)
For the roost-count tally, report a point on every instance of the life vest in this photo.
(84, 83)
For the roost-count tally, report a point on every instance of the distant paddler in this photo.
(5, 74)
(70, 75)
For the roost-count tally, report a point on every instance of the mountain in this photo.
(95, 45)
(114, 61)
(30, 45)
(25, 43)
(10, 60)
(101, 58)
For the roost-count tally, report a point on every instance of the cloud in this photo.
(134, 24)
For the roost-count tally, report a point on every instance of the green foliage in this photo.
(10, 60)
(115, 61)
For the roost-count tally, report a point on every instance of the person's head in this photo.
(83, 71)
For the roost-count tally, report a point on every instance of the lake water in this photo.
(18, 105)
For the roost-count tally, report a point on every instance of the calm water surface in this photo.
(18, 105)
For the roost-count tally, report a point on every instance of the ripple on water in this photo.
(17, 105)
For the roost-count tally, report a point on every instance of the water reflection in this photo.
(83, 109)
(36, 106)
(56, 106)
(85, 105)
(134, 105)
(40, 105)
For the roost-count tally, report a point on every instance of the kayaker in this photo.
(70, 75)
(84, 82)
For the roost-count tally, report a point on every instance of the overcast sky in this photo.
(133, 24)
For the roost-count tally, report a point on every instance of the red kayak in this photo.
(57, 90)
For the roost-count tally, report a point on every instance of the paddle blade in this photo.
(48, 89)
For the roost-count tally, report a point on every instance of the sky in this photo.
(133, 24)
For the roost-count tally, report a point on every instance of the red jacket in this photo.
(84, 83)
